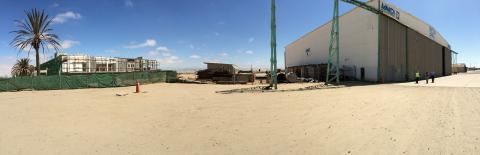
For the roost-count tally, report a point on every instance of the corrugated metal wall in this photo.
(448, 61)
(392, 50)
(424, 55)
(403, 51)
(414, 23)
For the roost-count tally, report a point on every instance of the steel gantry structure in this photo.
(333, 68)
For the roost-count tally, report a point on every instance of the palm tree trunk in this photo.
(37, 58)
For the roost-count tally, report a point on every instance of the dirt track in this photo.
(192, 119)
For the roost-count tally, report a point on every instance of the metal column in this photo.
(273, 46)
(333, 68)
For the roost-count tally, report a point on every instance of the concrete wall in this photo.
(358, 43)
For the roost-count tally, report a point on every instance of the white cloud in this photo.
(66, 16)
(249, 52)
(153, 53)
(223, 54)
(66, 44)
(147, 43)
(250, 40)
(7, 58)
(5, 70)
(128, 3)
(195, 56)
(170, 60)
(212, 60)
(6, 65)
(54, 5)
(245, 51)
(163, 56)
(160, 50)
(166, 54)
(163, 49)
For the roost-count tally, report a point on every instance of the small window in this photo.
(307, 51)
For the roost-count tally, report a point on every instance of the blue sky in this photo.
(182, 34)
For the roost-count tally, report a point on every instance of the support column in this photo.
(273, 47)
(108, 60)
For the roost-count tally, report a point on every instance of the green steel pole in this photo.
(334, 49)
(273, 47)
(337, 20)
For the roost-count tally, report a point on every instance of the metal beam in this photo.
(363, 5)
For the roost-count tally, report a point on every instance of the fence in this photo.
(79, 81)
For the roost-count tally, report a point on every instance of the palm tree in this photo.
(34, 32)
(22, 68)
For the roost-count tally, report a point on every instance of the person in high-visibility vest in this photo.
(427, 77)
(417, 77)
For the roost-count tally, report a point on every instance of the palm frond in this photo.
(34, 32)
(22, 68)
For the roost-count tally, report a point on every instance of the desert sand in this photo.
(193, 119)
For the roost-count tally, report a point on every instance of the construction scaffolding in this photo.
(74, 64)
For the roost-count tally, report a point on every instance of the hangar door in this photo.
(447, 58)
(392, 50)
(403, 52)
(424, 55)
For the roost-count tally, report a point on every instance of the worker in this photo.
(432, 75)
(427, 77)
(417, 77)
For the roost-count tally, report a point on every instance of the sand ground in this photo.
(471, 79)
(192, 119)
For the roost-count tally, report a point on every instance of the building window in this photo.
(307, 51)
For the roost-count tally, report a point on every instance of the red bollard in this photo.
(137, 89)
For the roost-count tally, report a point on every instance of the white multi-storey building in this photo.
(91, 64)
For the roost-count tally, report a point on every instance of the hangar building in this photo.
(386, 47)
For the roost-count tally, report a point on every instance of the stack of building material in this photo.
(209, 74)
(459, 68)
(225, 74)
(314, 71)
(292, 77)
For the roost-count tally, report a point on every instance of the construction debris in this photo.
(264, 89)
(225, 74)
(122, 94)
(292, 77)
